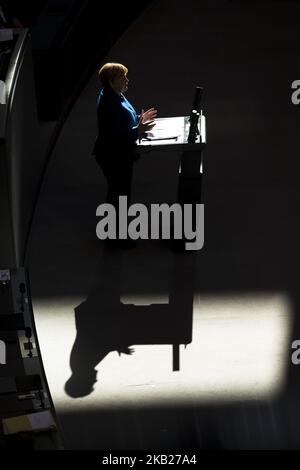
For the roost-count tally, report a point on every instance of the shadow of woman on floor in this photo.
(100, 325)
(104, 324)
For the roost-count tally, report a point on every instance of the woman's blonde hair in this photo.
(108, 72)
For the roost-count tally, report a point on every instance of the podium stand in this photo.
(171, 135)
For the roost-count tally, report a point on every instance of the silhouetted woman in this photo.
(119, 127)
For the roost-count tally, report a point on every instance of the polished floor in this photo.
(234, 306)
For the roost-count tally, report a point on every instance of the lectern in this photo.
(172, 135)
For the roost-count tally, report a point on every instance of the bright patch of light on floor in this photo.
(240, 351)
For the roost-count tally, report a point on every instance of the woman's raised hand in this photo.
(146, 122)
(149, 115)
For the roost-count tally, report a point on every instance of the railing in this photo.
(22, 152)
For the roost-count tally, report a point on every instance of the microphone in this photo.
(197, 98)
(194, 115)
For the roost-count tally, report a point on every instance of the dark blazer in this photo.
(117, 130)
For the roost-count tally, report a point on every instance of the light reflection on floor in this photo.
(240, 350)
